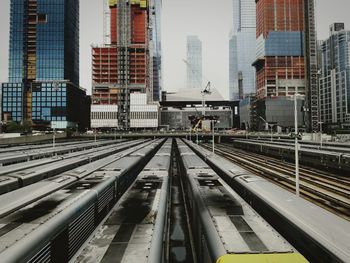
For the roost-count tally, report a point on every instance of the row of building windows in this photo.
(144, 115)
(49, 104)
(104, 115)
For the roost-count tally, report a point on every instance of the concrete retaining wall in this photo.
(31, 139)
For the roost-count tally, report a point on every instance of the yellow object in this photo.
(113, 2)
(143, 3)
(262, 258)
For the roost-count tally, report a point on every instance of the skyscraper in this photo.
(242, 80)
(43, 86)
(233, 68)
(280, 65)
(156, 51)
(194, 62)
(130, 63)
(335, 77)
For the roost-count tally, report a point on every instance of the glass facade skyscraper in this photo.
(43, 85)
(335, 77)
(156, 49)
(242, 78)
(194, 62)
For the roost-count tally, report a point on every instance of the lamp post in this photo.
(213, 135)
(296, 147)
(213, 139)
(320, 123)
(297, 188)
(197, 136)
(53, 135)
(296, 150)
(246, 131)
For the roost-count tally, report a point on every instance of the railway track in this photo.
(329, 191)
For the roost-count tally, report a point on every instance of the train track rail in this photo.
(329, 191)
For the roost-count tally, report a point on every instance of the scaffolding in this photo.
(123, 65)
(29, 56)
(312, 114)
(123, 42)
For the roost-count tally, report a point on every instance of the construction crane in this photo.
(205, 91)
(197, 121)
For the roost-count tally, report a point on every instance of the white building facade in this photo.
(142, 114)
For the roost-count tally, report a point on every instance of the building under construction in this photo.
(130, 60)
(286, 61)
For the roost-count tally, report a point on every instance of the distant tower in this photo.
(242, 49)
(43, 87)
(233, 68)
(194, 59)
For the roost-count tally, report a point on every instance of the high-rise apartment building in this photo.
(194, 62)
(130, 63)
(280, 64)
(242, 49)
(335, 77)
(43, 86)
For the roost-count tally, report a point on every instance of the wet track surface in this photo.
(179, 241)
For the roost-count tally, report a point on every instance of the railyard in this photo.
(169, 200)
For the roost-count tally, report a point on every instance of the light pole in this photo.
(320, 123)
(296, 150)
(197, 136)
(296, 146)
(297, 187)
(246, 131)
(53, 136)
(213, 135)
(213, 139)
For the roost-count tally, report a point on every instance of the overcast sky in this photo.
(212, 23)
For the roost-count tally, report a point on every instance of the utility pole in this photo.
(54, 137)
(320, 123)
(213, 139)
(296, 146)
